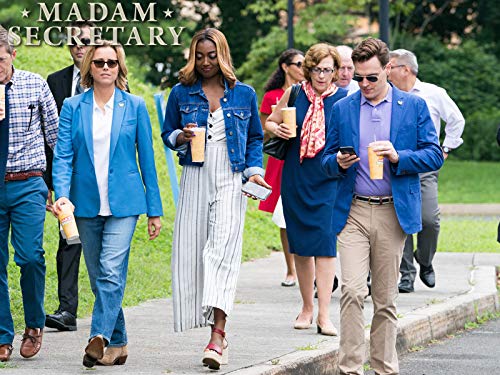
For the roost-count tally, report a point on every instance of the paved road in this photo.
(474, 352)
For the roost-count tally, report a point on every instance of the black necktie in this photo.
(78, 88)
(4, 138)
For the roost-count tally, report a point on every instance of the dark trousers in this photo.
(68, 263)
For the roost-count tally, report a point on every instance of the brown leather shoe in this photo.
(93, 351)
(5, 352)
(31, 342)
(114, 356)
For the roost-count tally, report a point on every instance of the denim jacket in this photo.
(188, 104)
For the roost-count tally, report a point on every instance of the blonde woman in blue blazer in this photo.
(102, 134)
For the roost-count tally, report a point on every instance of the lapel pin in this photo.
(400, 102)
(121, 104)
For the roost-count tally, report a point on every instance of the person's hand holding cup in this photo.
(377, 151)
(289, 121)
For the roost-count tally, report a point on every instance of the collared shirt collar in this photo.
(109, 104)
(388, 98)
(196, 88)
(13, 79)
(417, 86)
(76, 70)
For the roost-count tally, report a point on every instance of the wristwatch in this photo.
(446, 149)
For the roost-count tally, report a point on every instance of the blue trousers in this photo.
(106, 247)
(22, 210)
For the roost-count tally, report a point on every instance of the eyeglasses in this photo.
(110, 63)
(397, 66)
(298, 64)
(325, 71)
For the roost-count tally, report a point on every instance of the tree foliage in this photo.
(315, 21)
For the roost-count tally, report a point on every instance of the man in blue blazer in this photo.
(373, 216)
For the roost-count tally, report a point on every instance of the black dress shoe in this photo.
(61, 320)
(428, 276)
(426, 273)
(405, 286)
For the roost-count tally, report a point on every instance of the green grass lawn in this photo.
(465, 234)
(469, 182)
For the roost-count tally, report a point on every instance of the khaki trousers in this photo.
(371, 240)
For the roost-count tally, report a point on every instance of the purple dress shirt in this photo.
(374, 125)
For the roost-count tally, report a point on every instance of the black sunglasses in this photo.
(359, 78)
(83, 41)
(110, 63)
(297, 64)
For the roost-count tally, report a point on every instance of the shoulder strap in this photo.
(294, 92)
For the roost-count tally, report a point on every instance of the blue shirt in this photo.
(188, 104)
(31, 106)
(374, 125)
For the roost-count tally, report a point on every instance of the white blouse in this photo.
(101, 132)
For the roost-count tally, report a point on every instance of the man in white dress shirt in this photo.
(404, 70)
(346, 70)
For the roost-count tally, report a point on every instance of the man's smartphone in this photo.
(347, 150)
(259, 192)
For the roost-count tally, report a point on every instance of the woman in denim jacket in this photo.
(208, 231)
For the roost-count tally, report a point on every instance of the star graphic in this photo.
(25, 13)
(168, 13)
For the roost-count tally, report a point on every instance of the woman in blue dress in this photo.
(308, 195)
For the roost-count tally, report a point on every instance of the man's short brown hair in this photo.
(370, 47)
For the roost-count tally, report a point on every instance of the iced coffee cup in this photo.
(2, 101)
(290, 120)
(68, 223)
(198, 145)
(376, 165)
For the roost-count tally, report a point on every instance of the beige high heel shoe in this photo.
(114, 356)
(328, 330)
(302, 325)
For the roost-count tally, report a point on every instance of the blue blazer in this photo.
(414, 137)
(130, 192)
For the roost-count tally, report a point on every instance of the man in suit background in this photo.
(64, 84)
(374, 216)
(404, 70)
(346, 70)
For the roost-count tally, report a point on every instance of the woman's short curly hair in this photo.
(315, 54)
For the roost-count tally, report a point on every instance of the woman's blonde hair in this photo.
(87, 79)
(315, 54)
(188, 74)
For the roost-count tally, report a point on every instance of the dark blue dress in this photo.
(308, 195)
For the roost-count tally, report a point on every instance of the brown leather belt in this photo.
(19, 176)
(374, 200)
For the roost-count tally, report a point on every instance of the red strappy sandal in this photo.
(214, 356)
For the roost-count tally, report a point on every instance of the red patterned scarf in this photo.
(312, 137)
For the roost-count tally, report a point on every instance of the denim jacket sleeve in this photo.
(172, 124)
(253, 154)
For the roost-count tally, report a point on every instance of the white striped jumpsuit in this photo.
(208, 234)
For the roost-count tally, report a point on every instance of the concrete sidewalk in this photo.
(260, 334)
